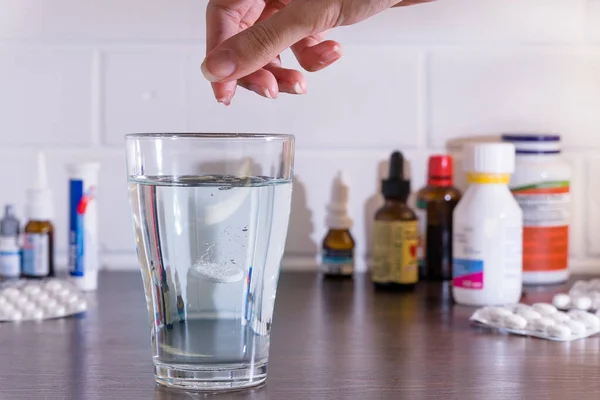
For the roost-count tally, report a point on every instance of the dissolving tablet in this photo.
(218, 273)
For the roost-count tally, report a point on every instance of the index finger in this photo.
(223, 18)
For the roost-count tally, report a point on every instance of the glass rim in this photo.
(217, 136)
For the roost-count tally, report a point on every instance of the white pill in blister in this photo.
(41, 297)
(544, 308)
(514, 321)
(35, 314)
(561, 301)
(11, 293)
(580, 285)
(582, 303)
(62, 293)
(559, 317)
(591, 321)
(52, 286)
(495, 314)
(78, 307)
(2, 300)
(14, 315)
(577, 327)
(541, 324)
(32, 289)
(50, 303)
(59, 311)
(559, 331)
(529, 314)
(519, 307)
(27, 307)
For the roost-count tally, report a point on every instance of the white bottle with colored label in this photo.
(541, 186)
(488, 230)
(83, 225)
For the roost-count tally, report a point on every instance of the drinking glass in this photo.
(210, 215)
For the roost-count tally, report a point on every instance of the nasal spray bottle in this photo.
(83, 225)
(38, 238)
(337, 253)
(10, 252)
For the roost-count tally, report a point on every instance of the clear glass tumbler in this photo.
(210, 214)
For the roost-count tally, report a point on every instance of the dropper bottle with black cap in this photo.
(395, 233)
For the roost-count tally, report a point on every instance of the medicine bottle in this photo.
(38, 237)
(488, 230)
(541, 185)
(10, 252)
(435, 205)
(395, 236)
(337, 249)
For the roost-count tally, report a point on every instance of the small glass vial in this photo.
(396, 234)
(337, 250)
(541, 186)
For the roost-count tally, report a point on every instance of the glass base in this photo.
(210, 379)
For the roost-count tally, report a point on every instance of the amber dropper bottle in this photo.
(395, 235)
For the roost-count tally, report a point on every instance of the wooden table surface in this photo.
(330, 340)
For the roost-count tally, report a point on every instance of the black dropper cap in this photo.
(395, 186)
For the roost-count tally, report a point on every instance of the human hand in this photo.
(245, 38)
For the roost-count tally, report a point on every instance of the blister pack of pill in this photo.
(541, 320)
(583, 295)
(24, 300)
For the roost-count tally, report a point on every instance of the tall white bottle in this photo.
(488, 230)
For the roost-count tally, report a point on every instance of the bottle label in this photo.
(10, 263)
(546, 213)
(337, 262)
(470, 254)
(395, 247)
(421, 211)
(36, 252)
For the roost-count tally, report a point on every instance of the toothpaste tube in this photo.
(83, 225)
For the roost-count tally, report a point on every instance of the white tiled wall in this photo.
(76, 75)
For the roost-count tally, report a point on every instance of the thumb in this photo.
(255, 47)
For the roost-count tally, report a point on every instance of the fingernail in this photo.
(298, 88)
(225, 101)
(331, 55)
(263, 91)
(219, 65)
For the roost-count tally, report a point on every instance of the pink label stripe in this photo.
(471, 281)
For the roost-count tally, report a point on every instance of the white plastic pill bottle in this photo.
(488, 229)
(541, 186)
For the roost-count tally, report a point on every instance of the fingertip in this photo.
(320, 56)
(224, 92)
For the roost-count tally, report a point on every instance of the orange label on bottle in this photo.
(546, 211)
(545, 248)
